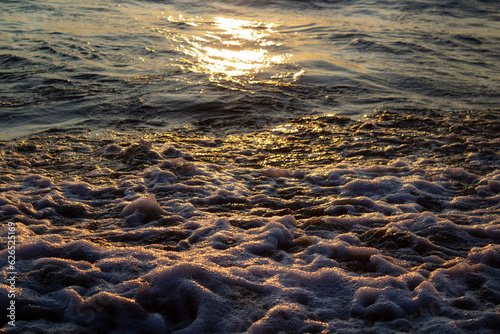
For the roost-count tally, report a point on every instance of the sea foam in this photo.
(143, 238)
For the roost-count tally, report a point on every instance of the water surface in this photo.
(241, 64)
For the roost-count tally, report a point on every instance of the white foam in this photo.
(145, 205)
(157, 242)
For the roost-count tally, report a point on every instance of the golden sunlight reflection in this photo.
(242, 29)
(234, 50)
(236, 63)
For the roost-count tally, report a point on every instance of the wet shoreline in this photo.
(324, 223)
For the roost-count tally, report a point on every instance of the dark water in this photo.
(278, 208)
(240, 64)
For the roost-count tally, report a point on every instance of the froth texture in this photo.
(257, 233)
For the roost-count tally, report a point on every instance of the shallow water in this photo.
(206, 168)
(246, 64)
(320, 225)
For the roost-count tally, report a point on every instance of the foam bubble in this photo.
(146, 205)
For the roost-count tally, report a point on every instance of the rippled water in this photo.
(184, 167)
(242, 64)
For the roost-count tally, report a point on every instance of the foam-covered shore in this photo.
(320, 225)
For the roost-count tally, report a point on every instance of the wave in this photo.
(318, 225)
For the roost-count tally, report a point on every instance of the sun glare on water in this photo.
(235, 50)
(240, 49)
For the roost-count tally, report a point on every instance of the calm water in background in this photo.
(240, 64)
